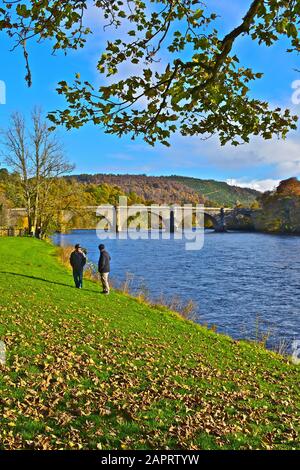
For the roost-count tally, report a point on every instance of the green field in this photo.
(89, 371)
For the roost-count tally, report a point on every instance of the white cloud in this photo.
(268, 161)
(258, 185)
(282, 157)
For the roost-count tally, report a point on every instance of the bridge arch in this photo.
(104, 223)
(144, 218)
(166, 218)
(212, 219)
(196, 218)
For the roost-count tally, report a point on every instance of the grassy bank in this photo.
(91, 371)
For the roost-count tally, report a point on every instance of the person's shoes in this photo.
(105, 292)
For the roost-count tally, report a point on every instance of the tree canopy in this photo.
(36, 157)
(188, 78)
(289, 187)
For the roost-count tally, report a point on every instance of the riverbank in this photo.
(90, 371)
(220, 279)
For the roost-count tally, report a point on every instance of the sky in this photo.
(259, 164)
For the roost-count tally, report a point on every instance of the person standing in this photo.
(78, 261)
(104, 268)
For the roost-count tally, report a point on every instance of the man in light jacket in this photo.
(104, 268)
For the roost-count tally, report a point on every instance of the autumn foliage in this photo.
(289, 187)
(84, 371)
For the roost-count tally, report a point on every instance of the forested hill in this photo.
(219, 191)
(148, 189)
(174, 189)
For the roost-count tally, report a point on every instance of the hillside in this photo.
(174, 189)
(158, 190)
(86, 371)
(219, 191)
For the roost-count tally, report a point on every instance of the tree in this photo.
(64, 198)
(36, 155)
(4, 205)
(4, 175)
(289, 187)
(201, 90)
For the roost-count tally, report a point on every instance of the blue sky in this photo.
(260, 164)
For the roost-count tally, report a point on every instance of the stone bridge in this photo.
(171, 218)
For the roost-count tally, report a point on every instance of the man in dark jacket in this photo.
(78, 261)
(104, 268)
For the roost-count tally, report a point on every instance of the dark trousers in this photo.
(78, 277)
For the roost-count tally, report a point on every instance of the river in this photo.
(245, 284)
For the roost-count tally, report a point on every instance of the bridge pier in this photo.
(221, 227)
(172, 221)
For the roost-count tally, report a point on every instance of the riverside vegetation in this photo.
(86, 371)
(55, 203)
(279, 211)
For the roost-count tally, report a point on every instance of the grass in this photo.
(86, 371)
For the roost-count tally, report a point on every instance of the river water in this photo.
(243, 283)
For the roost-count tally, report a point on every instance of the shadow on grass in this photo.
(46, 280)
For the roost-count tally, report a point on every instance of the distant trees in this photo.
(4, 174)
(104, 193)
(289, 187)
(4, 204)
(36, 156)
(288, 191)
(110, 193)
(139, 189)
(280, 209)
(64, 197)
